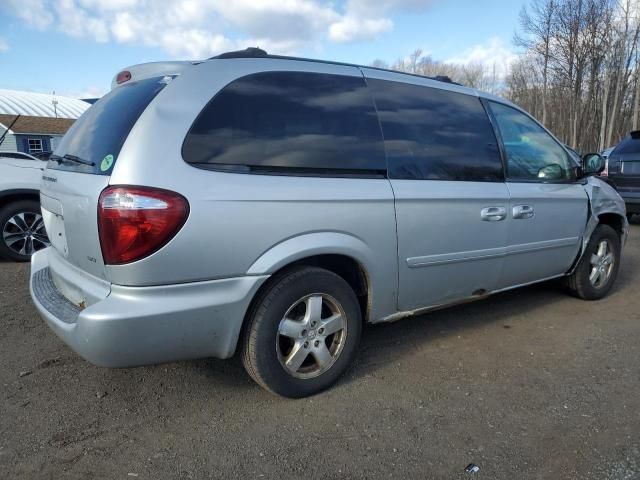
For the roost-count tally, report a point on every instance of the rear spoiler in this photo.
(148, 70)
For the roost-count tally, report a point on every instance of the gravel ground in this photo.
(526, 384)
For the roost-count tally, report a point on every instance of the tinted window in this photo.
(98, 135)
(288, 120)
(628, 145)
(434, 134)
(532, 154)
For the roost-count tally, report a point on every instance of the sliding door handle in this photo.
(493, 214)
(523, 211)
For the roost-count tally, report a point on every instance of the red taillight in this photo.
(123, 76)
(605, 172)
(134, 222)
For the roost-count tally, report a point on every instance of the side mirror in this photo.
(593, 164)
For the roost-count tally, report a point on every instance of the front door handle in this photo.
(523, 211)
(493, 214)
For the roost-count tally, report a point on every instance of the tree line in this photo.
(577, 72)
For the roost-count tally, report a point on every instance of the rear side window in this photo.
(284, 122)
(628, 145)
(98, 135)
(434, 134)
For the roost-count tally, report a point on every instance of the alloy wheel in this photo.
(24, 233)
(311, 335)
(601, 264)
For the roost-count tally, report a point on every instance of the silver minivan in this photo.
(272, 205)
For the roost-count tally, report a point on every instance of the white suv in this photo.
(23, 231)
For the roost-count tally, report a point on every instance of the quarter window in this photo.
(435, 134)
(35, 145)
(532, 154)
(286, 121)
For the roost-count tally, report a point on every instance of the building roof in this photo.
(36, 125)
(14, 102)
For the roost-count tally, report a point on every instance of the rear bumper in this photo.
(134, 326)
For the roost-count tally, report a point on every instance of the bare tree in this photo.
(578, 69)
(587, 53)
(537, 24)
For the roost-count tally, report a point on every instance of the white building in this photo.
(42, 120)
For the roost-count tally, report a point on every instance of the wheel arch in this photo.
(343, 254)
(614, 220)
(16, 194)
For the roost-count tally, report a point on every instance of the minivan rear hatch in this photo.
(81, 168)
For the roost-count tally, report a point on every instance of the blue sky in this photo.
(75, 46)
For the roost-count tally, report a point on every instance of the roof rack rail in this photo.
(445, 78)
(249, 52)
(255, 52)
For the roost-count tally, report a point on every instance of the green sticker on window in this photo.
(106, 163)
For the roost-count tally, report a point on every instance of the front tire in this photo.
(302, 332)
(22, 231)
(597, 271)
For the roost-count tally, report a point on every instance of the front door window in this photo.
(532, 154)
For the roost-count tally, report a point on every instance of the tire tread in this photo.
(257, 315)
(578, 282)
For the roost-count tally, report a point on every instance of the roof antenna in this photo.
(54, 102)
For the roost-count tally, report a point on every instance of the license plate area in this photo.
(54, 223)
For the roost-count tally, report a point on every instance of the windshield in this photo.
(18, 155)
(628, 145)
(98, 135)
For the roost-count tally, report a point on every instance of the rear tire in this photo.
(302, 332)
(22, 230)
(598, 268)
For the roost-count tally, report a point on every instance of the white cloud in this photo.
(300, 19)
(494, 53)
(25, 9)
(367, 19)
(350, 28)
(4, 46)
(367, 7)
(201, 28)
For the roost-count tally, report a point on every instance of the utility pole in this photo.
(54, 102)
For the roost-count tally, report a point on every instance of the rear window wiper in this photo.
(71, 158)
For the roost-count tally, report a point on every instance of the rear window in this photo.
(628, 145)
(288, 122)
(434, 134)
(98, 135)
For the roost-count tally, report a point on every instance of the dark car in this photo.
(577, 157)
(624, 171)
